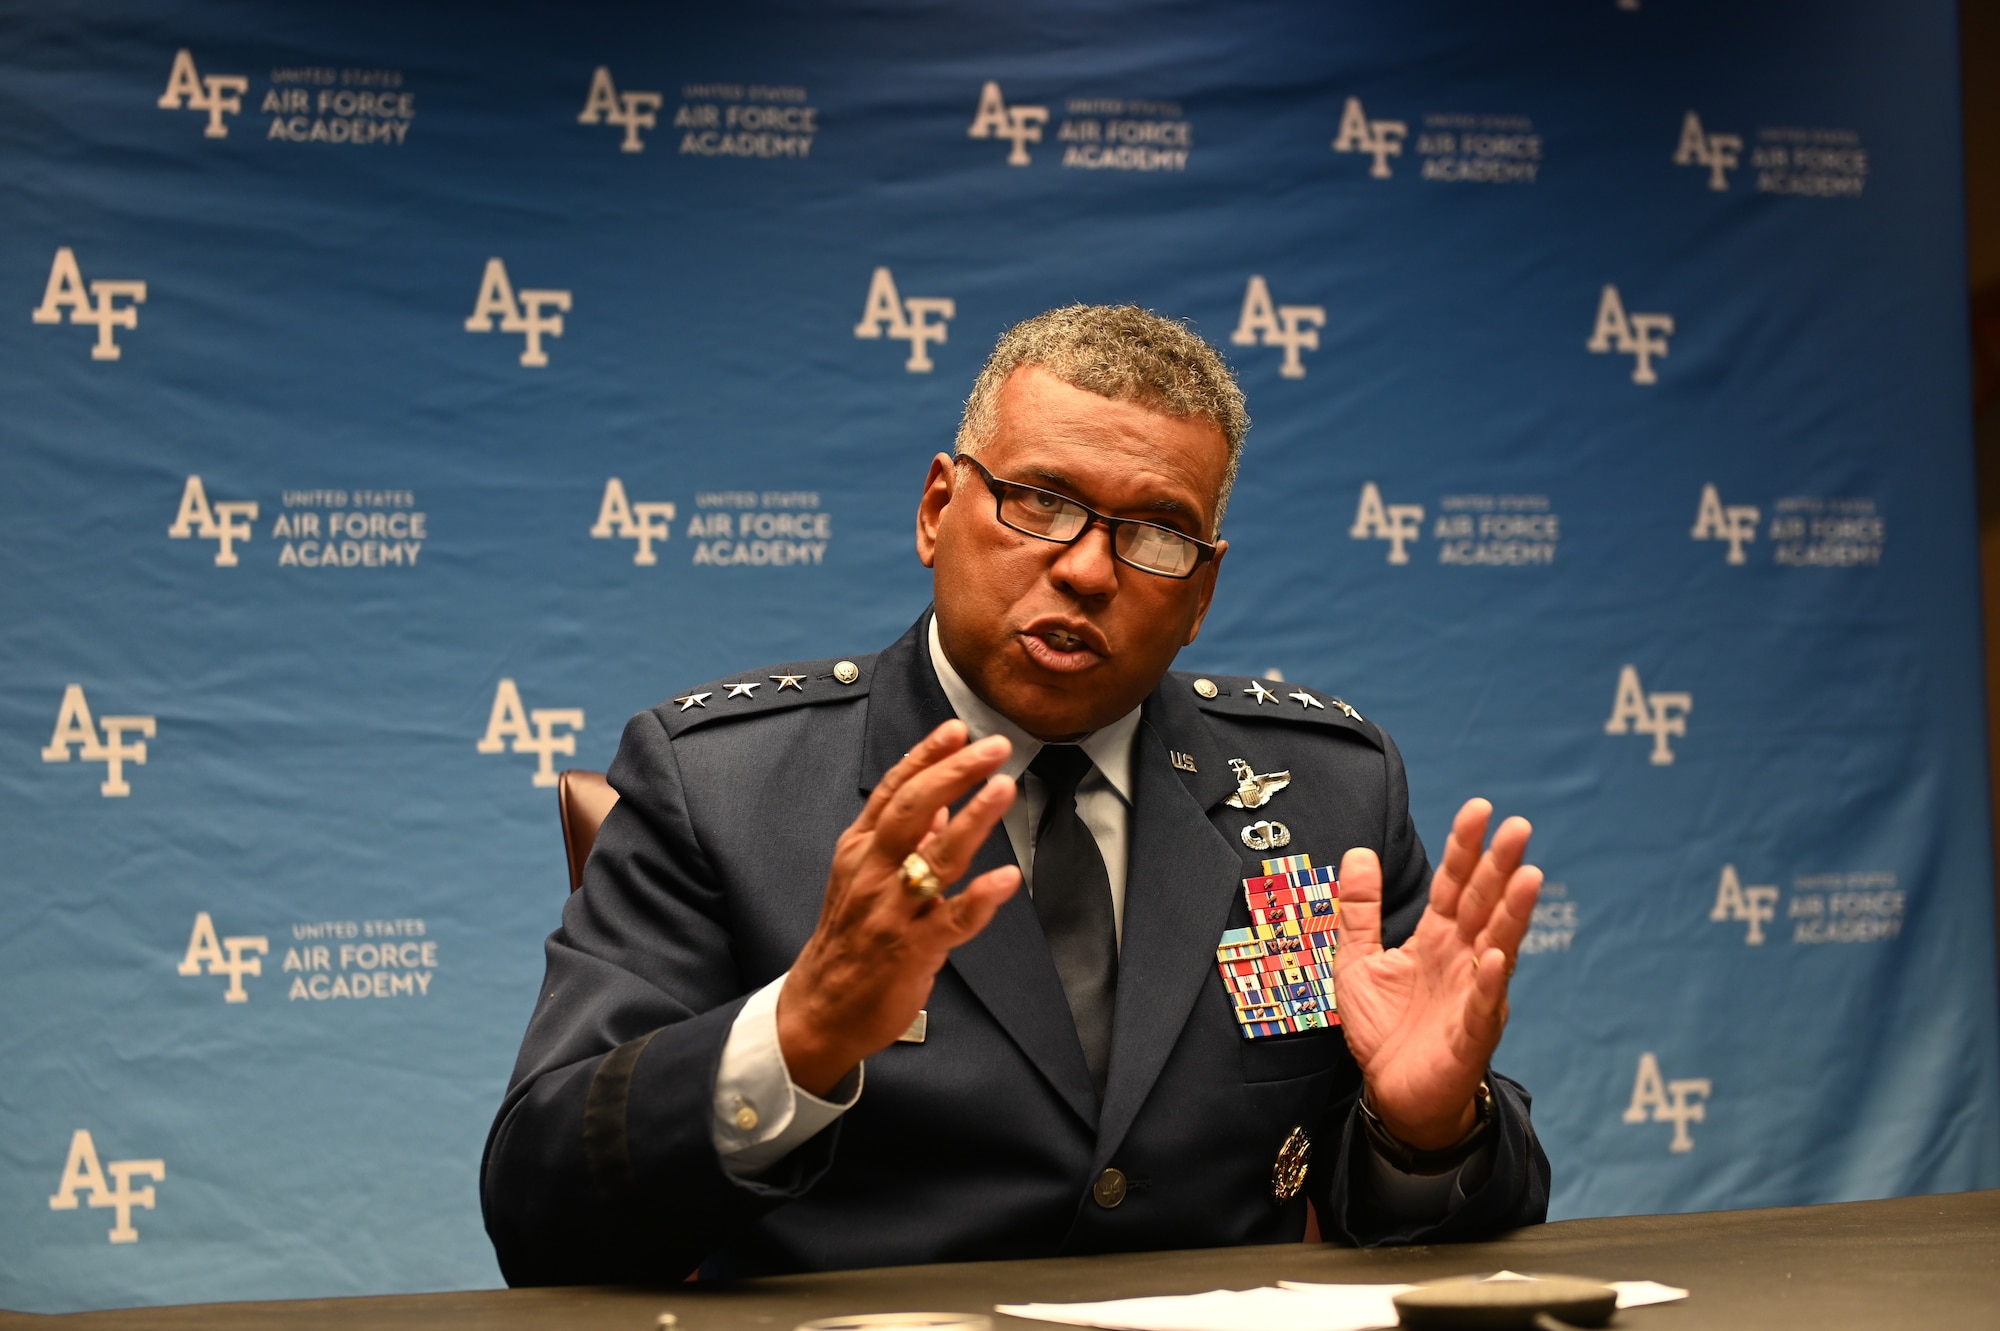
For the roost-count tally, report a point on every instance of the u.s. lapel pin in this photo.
(917, 1030)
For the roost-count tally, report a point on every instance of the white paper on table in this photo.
(1309, 1308)
(1639, 1293)
(1631, 1293)
(1296, 1305)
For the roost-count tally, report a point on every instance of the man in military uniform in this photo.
(1007, 941)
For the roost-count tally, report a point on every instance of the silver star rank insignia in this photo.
(1260, 693)
(748, 689)
(1306, 700)
(693, 700)
(790, 682)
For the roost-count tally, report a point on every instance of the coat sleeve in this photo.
(1516, 1190)
(601, 1166)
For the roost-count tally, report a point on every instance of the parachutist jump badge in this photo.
(1262, 835)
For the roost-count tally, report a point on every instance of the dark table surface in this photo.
(1911, 1262)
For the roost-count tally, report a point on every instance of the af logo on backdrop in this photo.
(304, 102)
(1805, 531)
(1379, 139)
(218, 94)
(1755, 906)
(885, 310)
(225, 522)
(633, 111)
(531, 731)
(1718, 152)
(235, 956)
(646, 521)
(1661, 715)
(1640, 336)
(1452, 147)
(1472, 530)
(1717, 521)
(1293, 327)
(1097, 133)
(76, 730)
(1018, 125)
(1680, 1102)
(765, 528)
(1398, 524)
(96, 304)
(524, 315)
(1852, 907)
(83, 1173)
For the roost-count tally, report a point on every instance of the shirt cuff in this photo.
(761, 1116)
(1425, 1198)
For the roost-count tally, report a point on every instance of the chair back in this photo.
(585, 798)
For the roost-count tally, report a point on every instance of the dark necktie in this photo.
(1073, 900)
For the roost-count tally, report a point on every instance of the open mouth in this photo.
(1062, 647)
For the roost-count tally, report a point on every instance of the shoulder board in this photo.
(768, 689)
(1242, 698)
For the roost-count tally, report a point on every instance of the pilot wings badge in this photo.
(1254, 789)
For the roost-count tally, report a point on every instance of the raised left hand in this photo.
(1423, 1019)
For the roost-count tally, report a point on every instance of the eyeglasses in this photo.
(1048, 516)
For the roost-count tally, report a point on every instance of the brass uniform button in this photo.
(1205, 687)
(746, 1118)
(1109, 1190)
(846, 671)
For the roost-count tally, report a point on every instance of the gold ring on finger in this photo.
(919, 879)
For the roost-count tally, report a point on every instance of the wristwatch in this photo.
(1408, 1158)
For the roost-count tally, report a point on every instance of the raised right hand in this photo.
(867, 970)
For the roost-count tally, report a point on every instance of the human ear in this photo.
(930, 508)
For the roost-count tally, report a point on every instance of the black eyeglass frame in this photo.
(998, 488)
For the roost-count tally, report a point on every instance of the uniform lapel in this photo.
(1008, 965)
(1182, 877)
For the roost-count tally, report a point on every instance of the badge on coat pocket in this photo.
(1279, 971)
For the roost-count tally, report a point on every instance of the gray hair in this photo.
(1123, 353)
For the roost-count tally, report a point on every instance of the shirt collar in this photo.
(1110, 747)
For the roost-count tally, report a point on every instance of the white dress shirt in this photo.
(761, 1116)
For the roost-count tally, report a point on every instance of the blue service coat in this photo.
(983, 1141)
